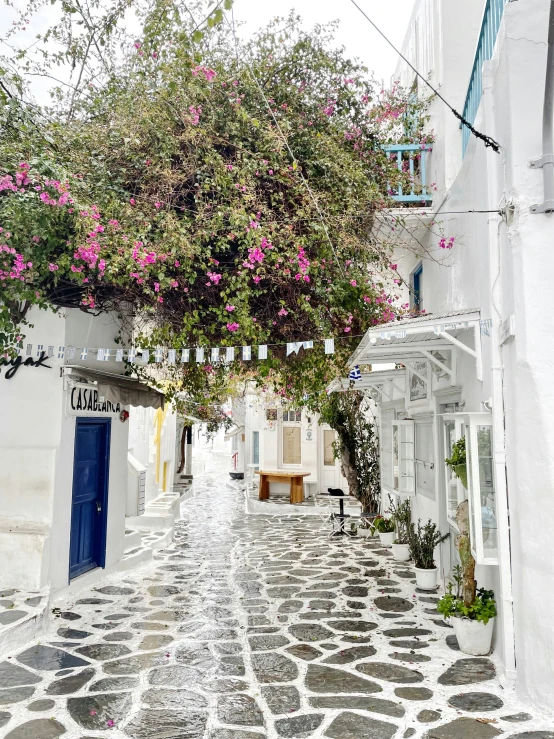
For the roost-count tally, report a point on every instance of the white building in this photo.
(479, 363)
(69, 488)
(277, 438)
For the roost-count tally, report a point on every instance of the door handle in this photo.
(98, 506)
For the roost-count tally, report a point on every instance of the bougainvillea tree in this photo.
(213, 193)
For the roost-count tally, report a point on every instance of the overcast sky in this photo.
(355, 33)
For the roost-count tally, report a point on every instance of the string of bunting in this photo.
(217, 354)
(174, 356)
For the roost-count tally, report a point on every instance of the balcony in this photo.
(411, 159)
(492, 17)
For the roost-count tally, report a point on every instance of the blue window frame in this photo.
(417, 288)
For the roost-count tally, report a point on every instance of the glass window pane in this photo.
(486, 490)
(425, 458)
(291, 445)
(328, 453)
(255, 447)
(395, 454)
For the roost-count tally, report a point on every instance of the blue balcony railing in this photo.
(412, 159)
(485, 49)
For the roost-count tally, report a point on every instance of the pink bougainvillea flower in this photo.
(353, 283)
(92, 713)
(229, 308)
(232, 326)
(110, 722)
(347, 329)
(283, 312)
(132, 201)
(53, 267)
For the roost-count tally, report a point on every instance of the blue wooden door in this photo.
(90, 495)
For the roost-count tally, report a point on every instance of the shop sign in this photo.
(86, 401)
(16, 362)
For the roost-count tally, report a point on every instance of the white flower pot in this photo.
(401, 552)
(426, 579)
(474, 637)
(387, 539)
(364, 533)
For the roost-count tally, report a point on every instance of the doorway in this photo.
(91, 465)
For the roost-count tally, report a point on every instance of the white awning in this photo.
(426, 337)
(117, 388)
(234, 432)
(384, 381)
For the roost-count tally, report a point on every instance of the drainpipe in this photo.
(547, 159)
(495, 175)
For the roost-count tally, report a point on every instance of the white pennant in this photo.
(262, 351)
(293, 347)
(61, 352)
(71, 352)
(84, 353)
(230, 354)
(119, 355)
(199, 354)
(158, 354)
(215, 355)
(185, 356)
(29, 350)
(329, 346)
(145, 356)
(100, 355)
(171, 356)
(246, 353)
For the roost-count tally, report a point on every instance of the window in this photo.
(292, 416)
(425, 458)
(328, 451)
(387, 417)
(417, 288)
(455, 491)
(255, 447)
(292, 445)
(403, 457)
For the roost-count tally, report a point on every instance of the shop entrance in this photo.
(90, 495)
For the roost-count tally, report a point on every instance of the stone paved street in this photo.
(255, 627)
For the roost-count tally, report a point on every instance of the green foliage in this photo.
(383, 525)
(357, 445)
(482, 609)
(458, 454)
(423, 542)
(401, 513)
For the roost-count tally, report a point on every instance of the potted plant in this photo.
(471, 611)
(365, 529)
(422, 548)
(402, 516)
(457, 461)
(385, 529)
(353, 529)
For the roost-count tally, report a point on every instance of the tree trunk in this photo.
(349, 472)
(463, 545)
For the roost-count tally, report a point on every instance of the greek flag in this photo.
(355, 374)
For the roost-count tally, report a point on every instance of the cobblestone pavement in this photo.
(252, 627)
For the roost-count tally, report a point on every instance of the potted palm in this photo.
(402, 516)
(457, 461)
(422, 548)
(385, 529)
(470, 611)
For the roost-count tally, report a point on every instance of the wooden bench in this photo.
(296, 483)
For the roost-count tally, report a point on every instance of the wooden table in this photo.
(296, 483)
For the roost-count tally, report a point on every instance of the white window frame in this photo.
(422, 465)
(284, 425)
(469, 427)
(406, 458)
(452, 483)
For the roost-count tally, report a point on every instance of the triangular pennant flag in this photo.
(262, 351)
(293, 347)
(329, 346)
(308, 344)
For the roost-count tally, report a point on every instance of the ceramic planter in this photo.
(426, 579)
(401, 552)
(364, 533)
(461, 472)
(387, 539)
(474, 637)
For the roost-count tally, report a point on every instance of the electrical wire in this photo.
(487, 140)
